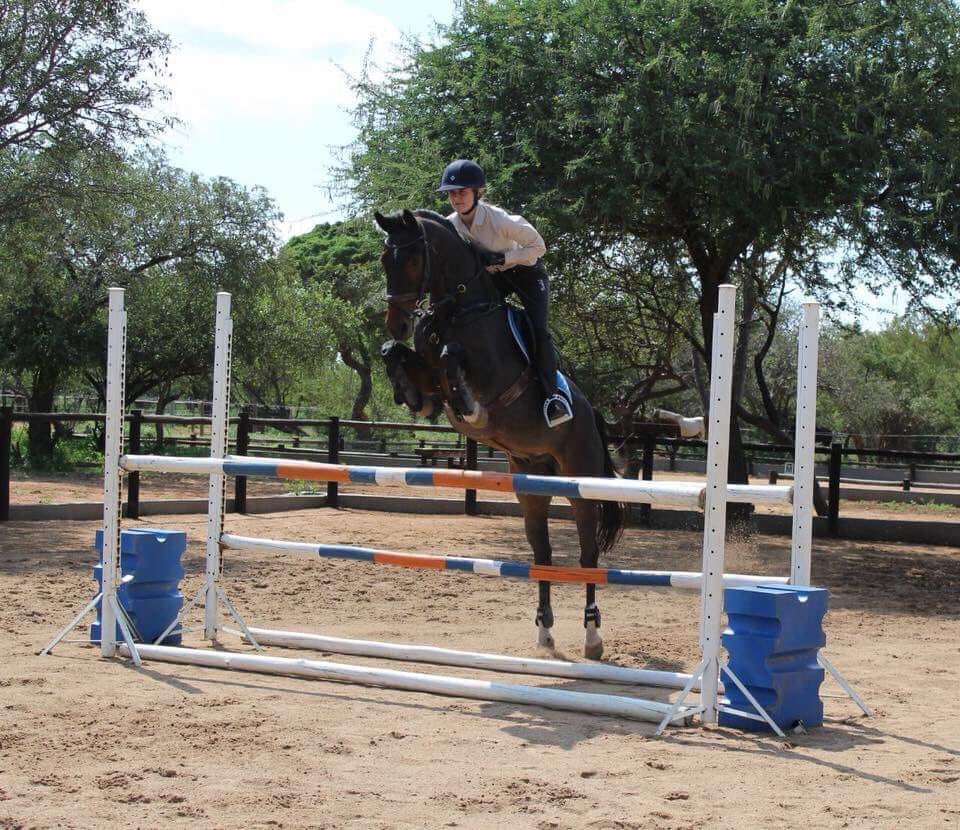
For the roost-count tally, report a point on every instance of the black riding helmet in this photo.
(460, 174)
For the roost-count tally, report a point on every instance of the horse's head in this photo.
(404, 259)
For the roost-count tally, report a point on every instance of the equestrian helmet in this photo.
(460, 174)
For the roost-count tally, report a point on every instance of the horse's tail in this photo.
(613, 514)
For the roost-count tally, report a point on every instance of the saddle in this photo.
(522, 330)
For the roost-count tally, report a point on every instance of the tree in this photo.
(73, 74)
(77, 69)
(902, 380)
(137, 223)
(342, 259)
(301, 343)
(765, 142)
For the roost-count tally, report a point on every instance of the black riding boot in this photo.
(532, 286)
(556, 408)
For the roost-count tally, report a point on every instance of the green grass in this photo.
(918, 506)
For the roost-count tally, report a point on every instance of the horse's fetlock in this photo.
(545, 616)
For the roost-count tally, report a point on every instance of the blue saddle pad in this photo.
(519, 329)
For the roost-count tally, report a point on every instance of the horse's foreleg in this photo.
(535, 524)
(414, 384)
(458, 391)
(586, 516)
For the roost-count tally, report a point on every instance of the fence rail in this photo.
(644, 442)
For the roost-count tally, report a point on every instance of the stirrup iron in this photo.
(561, 419)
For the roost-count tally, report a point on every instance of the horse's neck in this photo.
(493, 360)
(453, 263)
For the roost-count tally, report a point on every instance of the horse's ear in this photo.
(409, 219)
(384, 222)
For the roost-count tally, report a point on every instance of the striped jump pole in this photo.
(597, 704)
(662, 493)
(688, 580)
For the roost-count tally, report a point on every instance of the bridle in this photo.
(395, 300)
(422, 305)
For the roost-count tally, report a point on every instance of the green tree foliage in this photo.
(340, 261)
(141, 224)
(73, 74)
(902, 380)
(702, 130)
(763, 142)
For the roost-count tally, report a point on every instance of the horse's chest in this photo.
(428, 340)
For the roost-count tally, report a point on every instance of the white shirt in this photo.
(494, 229)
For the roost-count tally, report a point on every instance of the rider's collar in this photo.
(479, 213)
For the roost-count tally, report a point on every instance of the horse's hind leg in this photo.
(535, 524)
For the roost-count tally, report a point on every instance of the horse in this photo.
(466, 363)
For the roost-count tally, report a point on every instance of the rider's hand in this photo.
(488, 258)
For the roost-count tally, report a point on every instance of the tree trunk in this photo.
(39, 437)
(164, 397)
(360, 363)
(712, 276)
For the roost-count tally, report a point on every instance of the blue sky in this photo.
(260, 87)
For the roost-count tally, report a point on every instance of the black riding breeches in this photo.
(532, 286)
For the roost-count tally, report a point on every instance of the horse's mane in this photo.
(433, 216)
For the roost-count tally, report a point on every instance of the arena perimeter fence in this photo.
(642, 443)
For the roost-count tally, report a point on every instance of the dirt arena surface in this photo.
(92, 743)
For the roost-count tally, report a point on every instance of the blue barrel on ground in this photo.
(152, 599)
(773, 635)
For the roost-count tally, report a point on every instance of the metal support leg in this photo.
(69, 626)
(237, 618)
(823, 661)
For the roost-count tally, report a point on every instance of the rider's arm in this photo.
(517, 229)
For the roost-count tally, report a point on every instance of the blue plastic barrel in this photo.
(152, 599)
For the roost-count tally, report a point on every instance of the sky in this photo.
(263, 92)
(261, 87)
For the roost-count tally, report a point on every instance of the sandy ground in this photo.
(92, 743)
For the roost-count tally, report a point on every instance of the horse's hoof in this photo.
(593, 651)
(545, 639)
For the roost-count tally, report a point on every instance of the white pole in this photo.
(218, 449)
(805, 437)
(715, 511)
(112, 484)
(613, 705)
(407, 652)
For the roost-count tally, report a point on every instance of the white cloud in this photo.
(288, 25)
(264, 58)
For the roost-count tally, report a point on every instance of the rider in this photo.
(511, 248)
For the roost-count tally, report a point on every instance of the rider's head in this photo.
(462, 181)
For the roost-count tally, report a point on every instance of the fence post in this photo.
(6, 436)
(833, 516)
(646, 474)
(133, 479)
(470, 463)
(333, 456)
(242, 447)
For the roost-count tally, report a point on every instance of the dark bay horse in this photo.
(466, 362)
